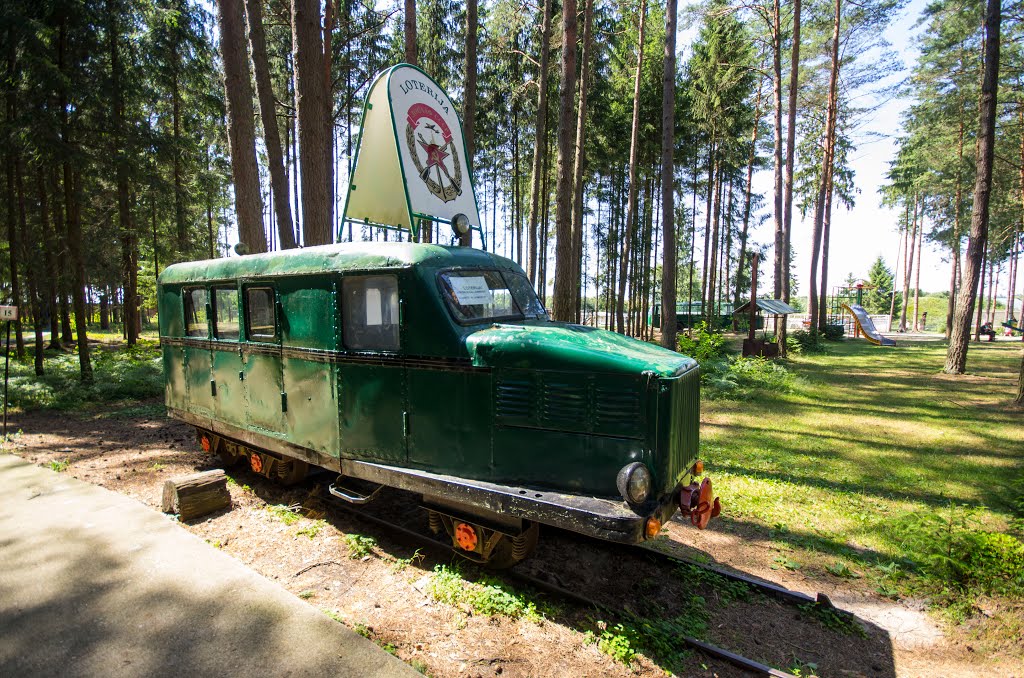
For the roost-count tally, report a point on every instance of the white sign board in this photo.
(8, 313)
(471, 290)
(410, 146)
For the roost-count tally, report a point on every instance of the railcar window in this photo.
(370, 311)
(225, 314)
(485, 296)
(195, 312)
(260, 318)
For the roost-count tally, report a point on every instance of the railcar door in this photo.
(196, 352)
(371, 375)
(226, 358)
(309, 341)
(264, 386)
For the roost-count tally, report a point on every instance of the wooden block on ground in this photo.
(197, 494)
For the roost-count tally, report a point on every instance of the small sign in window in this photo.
(370, 312)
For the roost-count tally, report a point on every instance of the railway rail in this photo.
(787, 596)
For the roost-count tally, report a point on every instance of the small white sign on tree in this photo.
(411, 159)
(8, 313)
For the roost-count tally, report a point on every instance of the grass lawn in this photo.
(877, 462)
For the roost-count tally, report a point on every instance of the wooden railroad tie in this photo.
(197, 494)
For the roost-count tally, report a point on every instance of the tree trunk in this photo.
(32, 259)
(981, 290)
(312, 113)
(908, 268)
(634, 150)
(241, 129)
(751, 157)
(469, 100)
(52, 277)
(563, 305)
(540, 142)
(129, 258)
(271, 133)
(825, 185)
(794, 86)
(892, 301)
(581, 122)
(826, 231)
(780, 231)
(668, 191)
(956, 355)
(12, 234)
(958, 207)
(411, 55)
(709, 299)
(72, 185)
(917, 274)
(179, 189)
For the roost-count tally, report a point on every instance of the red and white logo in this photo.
(430, 143)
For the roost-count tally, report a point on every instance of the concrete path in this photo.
(93, 583)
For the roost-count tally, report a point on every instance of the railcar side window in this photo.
(370, 311)
(225, 314)
(195, 312)
(260, 316)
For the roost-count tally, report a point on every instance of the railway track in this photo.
(557, 590)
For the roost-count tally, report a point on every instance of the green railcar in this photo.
(435, 370)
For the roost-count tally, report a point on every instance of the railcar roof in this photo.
(339, 257)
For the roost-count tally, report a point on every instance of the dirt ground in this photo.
(385, 593)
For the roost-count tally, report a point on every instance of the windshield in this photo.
(485, 296)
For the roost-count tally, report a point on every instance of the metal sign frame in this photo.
(413, 217)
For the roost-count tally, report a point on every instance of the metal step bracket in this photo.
(337, 489)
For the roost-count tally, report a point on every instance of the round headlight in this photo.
(460, 224)
(634, 483)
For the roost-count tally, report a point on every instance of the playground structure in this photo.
(847, 310)
(863, 325)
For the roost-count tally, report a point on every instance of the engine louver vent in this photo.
(573, 402)
(514, 399)
(565, 405)
(617, 411)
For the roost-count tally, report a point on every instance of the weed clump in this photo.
(289, 515)
(359, 546)
(486, 597)
(742, 378)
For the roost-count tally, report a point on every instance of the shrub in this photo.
(119, 374)
(703, 344)
(741, 378)
(952, 552)
(805, 341)
(834, 332)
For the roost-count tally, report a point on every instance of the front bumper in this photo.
(601, 518)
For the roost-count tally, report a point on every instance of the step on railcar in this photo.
(435, 370)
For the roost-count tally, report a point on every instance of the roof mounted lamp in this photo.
(460, 225)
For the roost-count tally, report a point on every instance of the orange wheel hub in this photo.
(465, 536)
(256, 462)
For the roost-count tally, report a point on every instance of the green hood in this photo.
(560, 346)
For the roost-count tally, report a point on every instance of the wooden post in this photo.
(196, 495)
(753, 298)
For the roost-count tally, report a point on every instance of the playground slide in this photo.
(867, 328)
